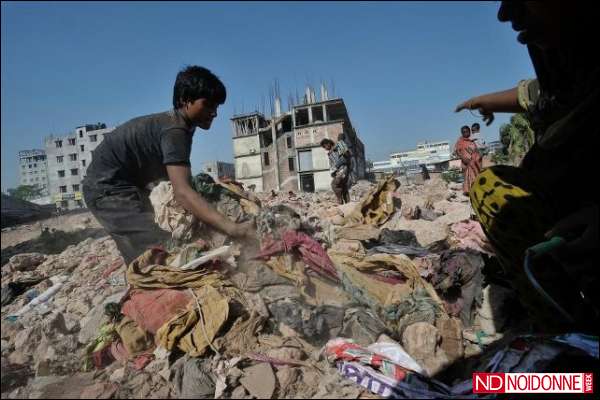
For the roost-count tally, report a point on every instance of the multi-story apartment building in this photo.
(284, 152)
(68, 159)
(33, 169)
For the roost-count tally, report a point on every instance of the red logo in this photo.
(486, 383)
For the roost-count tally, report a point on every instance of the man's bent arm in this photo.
(180, 175)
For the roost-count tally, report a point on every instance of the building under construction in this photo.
(283, 152)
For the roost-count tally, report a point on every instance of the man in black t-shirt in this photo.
(153, 148)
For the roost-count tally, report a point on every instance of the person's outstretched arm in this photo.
(487, 104)
(180, 175)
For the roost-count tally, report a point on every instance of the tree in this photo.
(25, 192)
(517, 137)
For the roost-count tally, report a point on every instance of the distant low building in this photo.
(434, 155)
(218, 169)
(495, 147)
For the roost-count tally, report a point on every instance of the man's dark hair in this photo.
(193, 83)
(476, 124)
(327, 141)
(465, 127)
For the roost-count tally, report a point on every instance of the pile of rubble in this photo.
(383, 296)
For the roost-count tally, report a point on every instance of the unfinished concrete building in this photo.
(283, 152)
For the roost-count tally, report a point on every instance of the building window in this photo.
(289, 142)
(83, 162)
(30, 166)
(80, 134)
(63, 189)
(93, 138)
(305, 160)
(266, 157)
(73, 157)
(58, 143)
(72, 142)
(61, 174)
(59, 159)
(74, 171)
(291, 164)
(76, 188)
(302, 117)
(34, 165)
(209, 169)
(82, 147)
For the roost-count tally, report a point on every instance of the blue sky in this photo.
(400, 67)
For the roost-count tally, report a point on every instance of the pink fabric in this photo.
(151, 309)
(140, 362)
(311, 251)
(119, 352)
(470, 235)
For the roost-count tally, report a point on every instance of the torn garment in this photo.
(377, 206)
(148, 272)
(310, 250)
(151, 309)
(194, 329)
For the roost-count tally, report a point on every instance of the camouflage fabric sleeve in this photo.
(528, 93)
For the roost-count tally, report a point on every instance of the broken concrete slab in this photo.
(259, 381)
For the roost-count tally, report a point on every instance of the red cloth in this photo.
(467, 151)
(151, 309)
(312, 252)
(119, 352)
(103, 358)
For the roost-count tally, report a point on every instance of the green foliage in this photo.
(25, 192)
(517, 138)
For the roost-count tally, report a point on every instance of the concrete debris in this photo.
(259, 381)
(400, 262)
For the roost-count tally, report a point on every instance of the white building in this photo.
(33, 169)
(495, 147)
(382, 166)
(434, 155)
(68, 159)
(427, 153)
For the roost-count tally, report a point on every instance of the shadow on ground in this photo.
(52, 242)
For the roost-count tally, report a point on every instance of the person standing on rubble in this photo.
(548, 195)
(339, 162)
(466, 149)
(154, 148)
